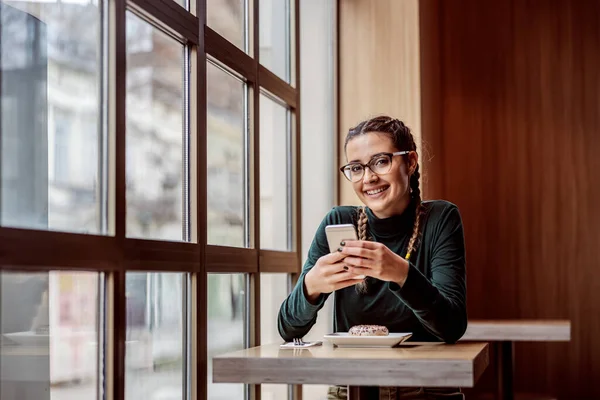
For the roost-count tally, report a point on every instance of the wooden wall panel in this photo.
(519, 132)
(379, 70)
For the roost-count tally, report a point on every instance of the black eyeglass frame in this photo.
(368, 165)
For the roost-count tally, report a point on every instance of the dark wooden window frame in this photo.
(114, 255)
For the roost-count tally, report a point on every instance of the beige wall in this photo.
(378, 68)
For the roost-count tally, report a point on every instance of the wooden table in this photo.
(506, 333)
(408, 365)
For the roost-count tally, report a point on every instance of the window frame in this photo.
(115, 254)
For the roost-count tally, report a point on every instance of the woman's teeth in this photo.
(372, 192)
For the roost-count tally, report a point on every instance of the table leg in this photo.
(357, 393)
(505, 362)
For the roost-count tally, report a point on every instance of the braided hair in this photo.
(403, 140)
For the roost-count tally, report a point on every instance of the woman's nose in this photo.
(369, 176)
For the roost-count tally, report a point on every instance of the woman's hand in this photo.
(376, 260)
(327, 275)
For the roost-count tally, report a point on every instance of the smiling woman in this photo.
(411, 252)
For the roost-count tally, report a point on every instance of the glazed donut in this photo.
(368, 330)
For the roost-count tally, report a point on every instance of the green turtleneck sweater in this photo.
(432, 301)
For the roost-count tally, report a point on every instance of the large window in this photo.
(50, 115)
(149, 186)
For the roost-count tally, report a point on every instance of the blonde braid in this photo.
(362, 224)
(413, 239)
(419, 210)
(361, 287)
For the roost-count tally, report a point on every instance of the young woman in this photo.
(411, 252)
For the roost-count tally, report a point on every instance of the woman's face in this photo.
(387, 194)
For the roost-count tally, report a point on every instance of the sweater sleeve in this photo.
(440, 303)
(296, 314)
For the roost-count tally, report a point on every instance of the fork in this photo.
(298, 342)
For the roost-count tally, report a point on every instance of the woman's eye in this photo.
(356, 168)
(380, 162)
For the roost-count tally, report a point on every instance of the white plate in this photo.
(344, 339)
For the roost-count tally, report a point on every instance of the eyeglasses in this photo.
(380, 164)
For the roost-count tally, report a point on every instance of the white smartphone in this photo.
(339, 233)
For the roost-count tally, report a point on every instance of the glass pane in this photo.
(228, 19)
(227, 185)
(226, 327)
(155, 338)
(273, 291)
(49, 335)
(49, 115)
(275, 182)
(155, 162)
(275, 36)
(183, 3)
(317, 392)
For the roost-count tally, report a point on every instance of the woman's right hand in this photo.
(327, 275)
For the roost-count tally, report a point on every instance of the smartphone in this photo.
(339, 233)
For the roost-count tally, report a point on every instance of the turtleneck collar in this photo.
(394, 225)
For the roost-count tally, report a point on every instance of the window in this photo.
(227, 194)
(153, 185)
(51, 339)
(227, 328)
(275, 37)
(156, 344)
(273, 291)
(155, 134)
(229, 19)
(275, 175)
(50, 78)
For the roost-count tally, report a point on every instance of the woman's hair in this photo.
(403, 140)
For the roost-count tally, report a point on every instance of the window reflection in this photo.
(226, 327)
(228, 18)
(226, 180)
(275, 175)
(49, 115)
(275, 36)
(49, 335)
(273, 291)
(155, 132)
(155, 337)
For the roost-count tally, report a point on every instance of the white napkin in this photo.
(291, 345)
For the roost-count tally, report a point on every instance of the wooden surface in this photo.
(519, 330)
(378, 68)
(519, 112)
(416, 364)
(518, 396)
(278, 261)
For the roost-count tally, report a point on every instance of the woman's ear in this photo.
(413, 161)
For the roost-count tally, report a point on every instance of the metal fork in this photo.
(298, 342)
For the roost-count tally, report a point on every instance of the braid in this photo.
(362, 224)
(362, 221)
(416, 196)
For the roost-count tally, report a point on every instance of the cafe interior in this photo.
(148, 258)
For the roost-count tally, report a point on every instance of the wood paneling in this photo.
(378, 68)
(519, 109)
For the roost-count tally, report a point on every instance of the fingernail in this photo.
(340, 249)
(343, 243)
(345, 268)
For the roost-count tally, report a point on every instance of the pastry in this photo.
(369, 330)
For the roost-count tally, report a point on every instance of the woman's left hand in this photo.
(376, 260)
